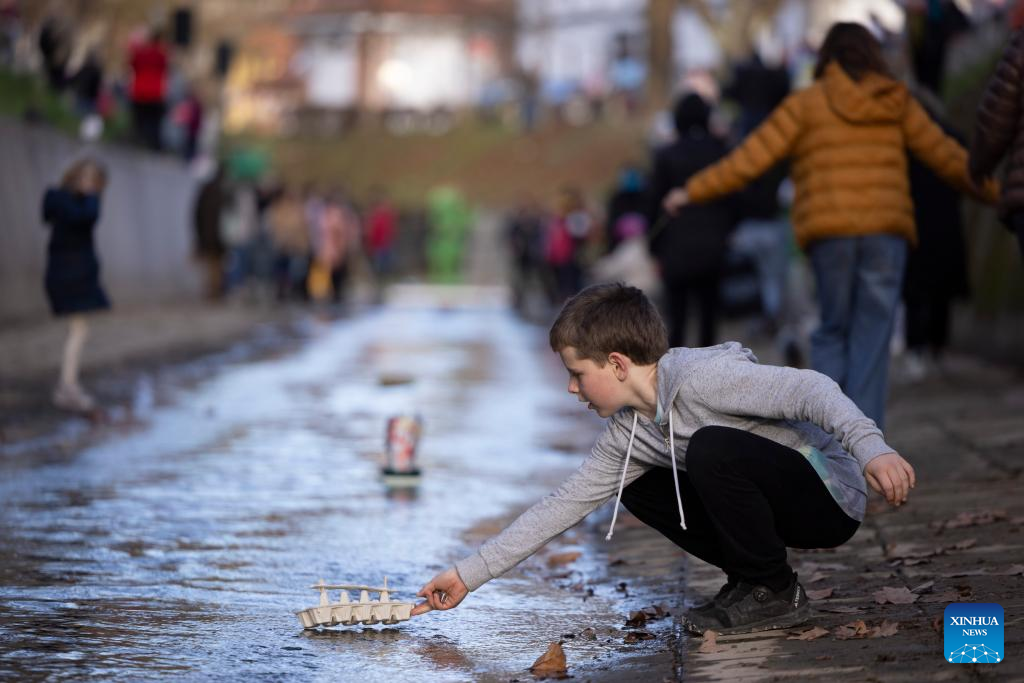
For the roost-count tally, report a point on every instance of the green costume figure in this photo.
(449, 221)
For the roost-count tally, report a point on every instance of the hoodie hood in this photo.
(873, 99)
(674, 366)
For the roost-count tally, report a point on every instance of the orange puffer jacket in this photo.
(847, 141)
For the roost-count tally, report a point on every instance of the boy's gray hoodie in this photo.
(719, 385)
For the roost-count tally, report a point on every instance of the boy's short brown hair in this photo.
(606, 318)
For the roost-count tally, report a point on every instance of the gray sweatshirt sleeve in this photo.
(596, 480)
(738, 386)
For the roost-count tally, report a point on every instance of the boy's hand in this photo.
(675, 200)
(444, 591)
(892, 476)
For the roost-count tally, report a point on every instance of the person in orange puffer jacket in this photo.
(846, 136)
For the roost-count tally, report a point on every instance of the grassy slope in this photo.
(494, 166)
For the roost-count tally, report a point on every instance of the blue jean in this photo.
(859, 280)
(767, 243)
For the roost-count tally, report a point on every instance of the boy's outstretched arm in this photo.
(444, 591)
(891, 476)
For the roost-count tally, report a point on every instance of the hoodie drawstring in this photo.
(625, 467)
(622, 482)
(675, 471)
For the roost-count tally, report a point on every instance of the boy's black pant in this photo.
(746, 500)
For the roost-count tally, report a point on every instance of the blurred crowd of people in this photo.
(150, 87)
(256, 237)
(835, 199)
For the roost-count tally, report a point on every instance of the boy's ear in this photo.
(620, 364)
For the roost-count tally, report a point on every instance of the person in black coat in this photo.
(72, 269)
(936, 272)
(691, 246)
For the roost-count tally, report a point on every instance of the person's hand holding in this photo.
(891, 476)
(444, 591)
(675, 200)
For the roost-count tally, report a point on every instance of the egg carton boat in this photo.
(345, 612)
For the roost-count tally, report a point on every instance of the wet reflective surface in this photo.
(184, 546)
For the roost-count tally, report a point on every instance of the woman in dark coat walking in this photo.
(72, 269)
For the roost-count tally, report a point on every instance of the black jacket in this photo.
(72, 269)
(692, 243)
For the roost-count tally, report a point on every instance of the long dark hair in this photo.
(853, 48)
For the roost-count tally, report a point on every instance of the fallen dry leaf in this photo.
(817, 576)
(810, 634)
(964, 545)
(588, 634)
(822, 594)
(945, 596)
(636, 620)
(563, 558)
(551, 663)
(637, 636)
(885, 629)
(656, 612)
(855, 629)
(923, 588)
(964, 519)
(1012, 570)
(823, 658)
(896, 596)
(709, 646)
(841, 609)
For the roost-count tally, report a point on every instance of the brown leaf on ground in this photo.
(914, 561)
(964, 545)
(944, 596)
(710, 644)
(637, 636)
(896, 596)
(841, 609)
(657, 612)
(822, 594)
(588, 634)
(885, 629)
(923, 588)
(551, 663)
(855, 629)
(975, 518)
(1012, 570)
(810, 634)
(559, 559)
(817, 576)
(823, 658)
(636, 620)
(911, 551)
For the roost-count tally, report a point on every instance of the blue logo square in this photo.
(973, 633)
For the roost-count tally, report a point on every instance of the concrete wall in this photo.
(144, 237)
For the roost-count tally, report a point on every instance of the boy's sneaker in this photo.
(750, 608)
(721, 598)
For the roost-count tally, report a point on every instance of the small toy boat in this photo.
(384, 610)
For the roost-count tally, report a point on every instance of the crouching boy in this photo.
(730, 460)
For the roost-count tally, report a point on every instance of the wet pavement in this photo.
(183, 544)
(182, 538)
